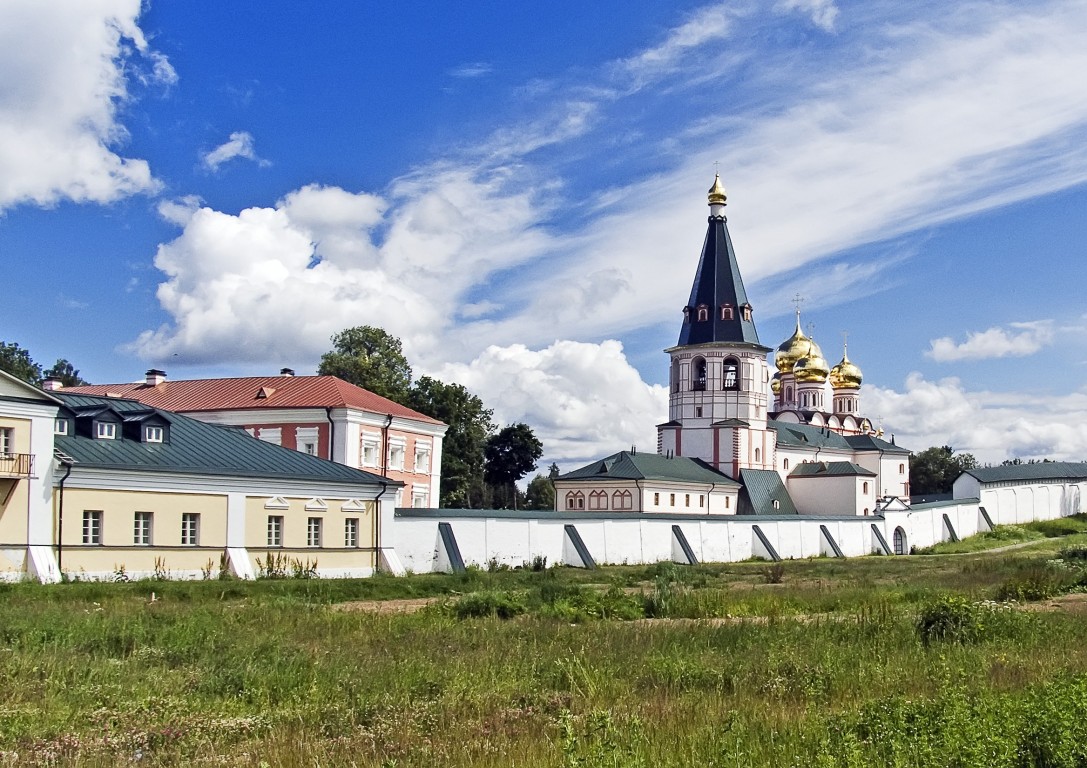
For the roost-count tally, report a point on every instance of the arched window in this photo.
(901, 469)
(686, 314)
(675, 375)
(758, 455)
(622, 500)
(785, 464)
(731, 370)
(788, 394)
(575, 500)
(747, 312)
(598, 500)
(777, 504)
(865, 489)
(703, 313)
(698, 374)
(726, 311)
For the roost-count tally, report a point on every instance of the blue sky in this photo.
(518, 192)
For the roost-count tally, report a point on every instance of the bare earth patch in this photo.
(1075, 603)
(387, 606)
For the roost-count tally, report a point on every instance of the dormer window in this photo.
(726, 311)
(105, 430)
(60, 426)
(703, 313)
(686, 314)
(747, 312)
(153, 434)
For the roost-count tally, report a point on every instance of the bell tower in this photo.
(719, 379)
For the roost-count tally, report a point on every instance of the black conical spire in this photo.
(718, 310)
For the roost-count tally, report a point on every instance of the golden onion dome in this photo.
(796, 347)
(775, 383)
(717, 192)
(845, 375)
(813, 368)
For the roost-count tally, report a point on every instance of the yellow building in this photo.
(97, 487)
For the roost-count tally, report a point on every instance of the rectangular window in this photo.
(7, 441)
(701, 500)
(152, 434)
(141, 529)
(687, 500)
(671, 499)
(313, 532)
(309, 449)
(305, 439)
(656, 499)
(190, 529)
(106, 430)
(273, 435)
(275, 530)
(351, 532)
(92, 526)
(369, 451)
(422, 459)
(420, 498)
(396, 455)
(60, 426)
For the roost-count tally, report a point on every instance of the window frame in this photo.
(92, 527)
(314, 526)
(105, 430)
(190, 529)
(274, 531)
(143, 528)
(154, 434)
(351, 533)
(60, 427)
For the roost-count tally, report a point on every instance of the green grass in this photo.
(1006, 535)
(873, 661)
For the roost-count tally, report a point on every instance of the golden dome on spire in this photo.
(717, 191)
(845, 375)
(775, 383)
(813, 368)
(796, 347)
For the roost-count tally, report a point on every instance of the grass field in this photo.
(907, 661)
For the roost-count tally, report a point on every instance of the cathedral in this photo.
(739, 440)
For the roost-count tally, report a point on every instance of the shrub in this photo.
(950, 618)
(1076, 555)
(774, 574)
(503, 605)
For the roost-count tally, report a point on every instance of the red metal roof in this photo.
(254, 392)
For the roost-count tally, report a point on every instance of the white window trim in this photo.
(275, 531)
(351, 533)
(60, 427)
(190, 529)
(154, 434)
(105, 430)
(143, 536)
(92, 527)
(314, 532)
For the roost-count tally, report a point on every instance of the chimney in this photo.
(286, 372)
(155, 377)
(52, 384)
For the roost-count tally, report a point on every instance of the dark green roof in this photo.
(762, 487)
(830, 469)
(805, 435)
(649, 466)
(194, 447)
(1046, 470)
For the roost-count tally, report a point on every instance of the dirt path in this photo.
(410, 605)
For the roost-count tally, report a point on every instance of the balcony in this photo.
(16, 465)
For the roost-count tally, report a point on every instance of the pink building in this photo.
(320, 415)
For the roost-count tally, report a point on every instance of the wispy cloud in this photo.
(823, 13)
(240, 144)
(472, 70)
(1018, 340)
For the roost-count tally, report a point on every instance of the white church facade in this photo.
(793, 442)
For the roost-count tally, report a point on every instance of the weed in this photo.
(502, 605)
(774, 573)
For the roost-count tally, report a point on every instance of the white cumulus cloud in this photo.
(1019, 340)
(66, 68)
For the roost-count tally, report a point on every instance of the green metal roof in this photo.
(804, 435)
(194, 447)
(649, 466)
(830, 469)
(762, 487)
(1047, 470)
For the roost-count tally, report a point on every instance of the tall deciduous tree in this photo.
(17, 361)
(540, 493)
(511, 454)
(370, 358)
(66, 373)
(934, 469)
(463, 447)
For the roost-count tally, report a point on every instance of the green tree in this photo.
(370, 358)
(463, 447)
(511, 454)
(540, 493)
(17, 362)
(67, 373)
(934, 469)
